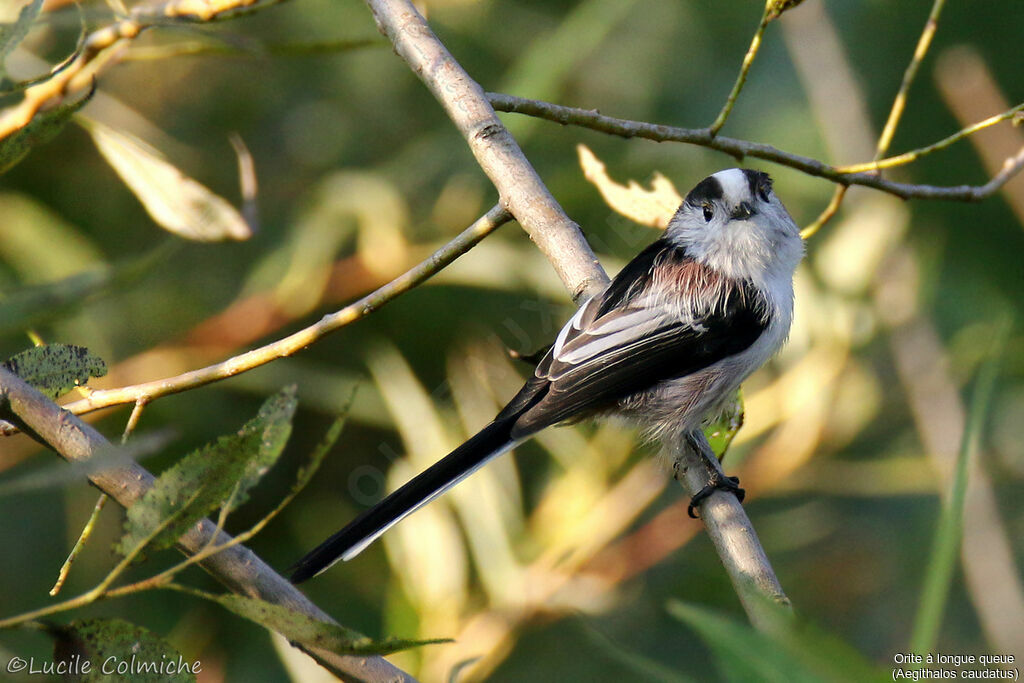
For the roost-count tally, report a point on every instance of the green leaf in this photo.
(216, 475)
(723, 430)
(43, 127)
(946, 544)
(787, 650)
(303, 629)
(98, 650)
(56, 369)
(175, 201)
(11, 35)
(272, 426)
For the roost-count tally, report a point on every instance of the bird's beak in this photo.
(742, 212)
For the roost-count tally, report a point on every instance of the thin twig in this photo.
(133, 419)
(914, 155)
(900, 102)
(237, 567)
(741, 148)
(293, 343)
(748, 61)
(90, 524)
(83, 537)
(826, 215)
(196, 48)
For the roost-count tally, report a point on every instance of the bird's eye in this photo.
(764, 190)
(709, 213)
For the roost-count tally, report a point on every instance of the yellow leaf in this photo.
(175, 201)
(653, 207)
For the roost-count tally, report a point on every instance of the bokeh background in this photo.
(556, 563)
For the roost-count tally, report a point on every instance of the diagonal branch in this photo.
(732, 533)
(497, 152)
(237, 567)
(915, 154)
(889, 131)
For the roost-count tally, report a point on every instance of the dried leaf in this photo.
(654, 207)
(175, 201)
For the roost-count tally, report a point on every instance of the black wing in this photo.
(624, 341)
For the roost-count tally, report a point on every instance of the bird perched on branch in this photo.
(665, 344)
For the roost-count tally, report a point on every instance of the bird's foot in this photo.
(716, 482)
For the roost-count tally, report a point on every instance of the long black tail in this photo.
(490, 442)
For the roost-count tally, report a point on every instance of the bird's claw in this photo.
(716, 483)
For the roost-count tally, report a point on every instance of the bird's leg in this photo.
(716, 479)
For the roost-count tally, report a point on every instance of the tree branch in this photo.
(730, 530)
(742, 148)
(497, 152)
(237, 568)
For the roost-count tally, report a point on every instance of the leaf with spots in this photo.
(103, 650)
(55, 369)
(217, 475)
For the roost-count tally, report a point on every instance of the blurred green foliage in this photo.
(360, 175)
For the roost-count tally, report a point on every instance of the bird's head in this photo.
(733, 222)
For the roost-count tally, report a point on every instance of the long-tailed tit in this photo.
(666, 344)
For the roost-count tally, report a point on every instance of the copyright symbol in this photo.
(15, 665)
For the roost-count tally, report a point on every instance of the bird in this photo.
(665, 344)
